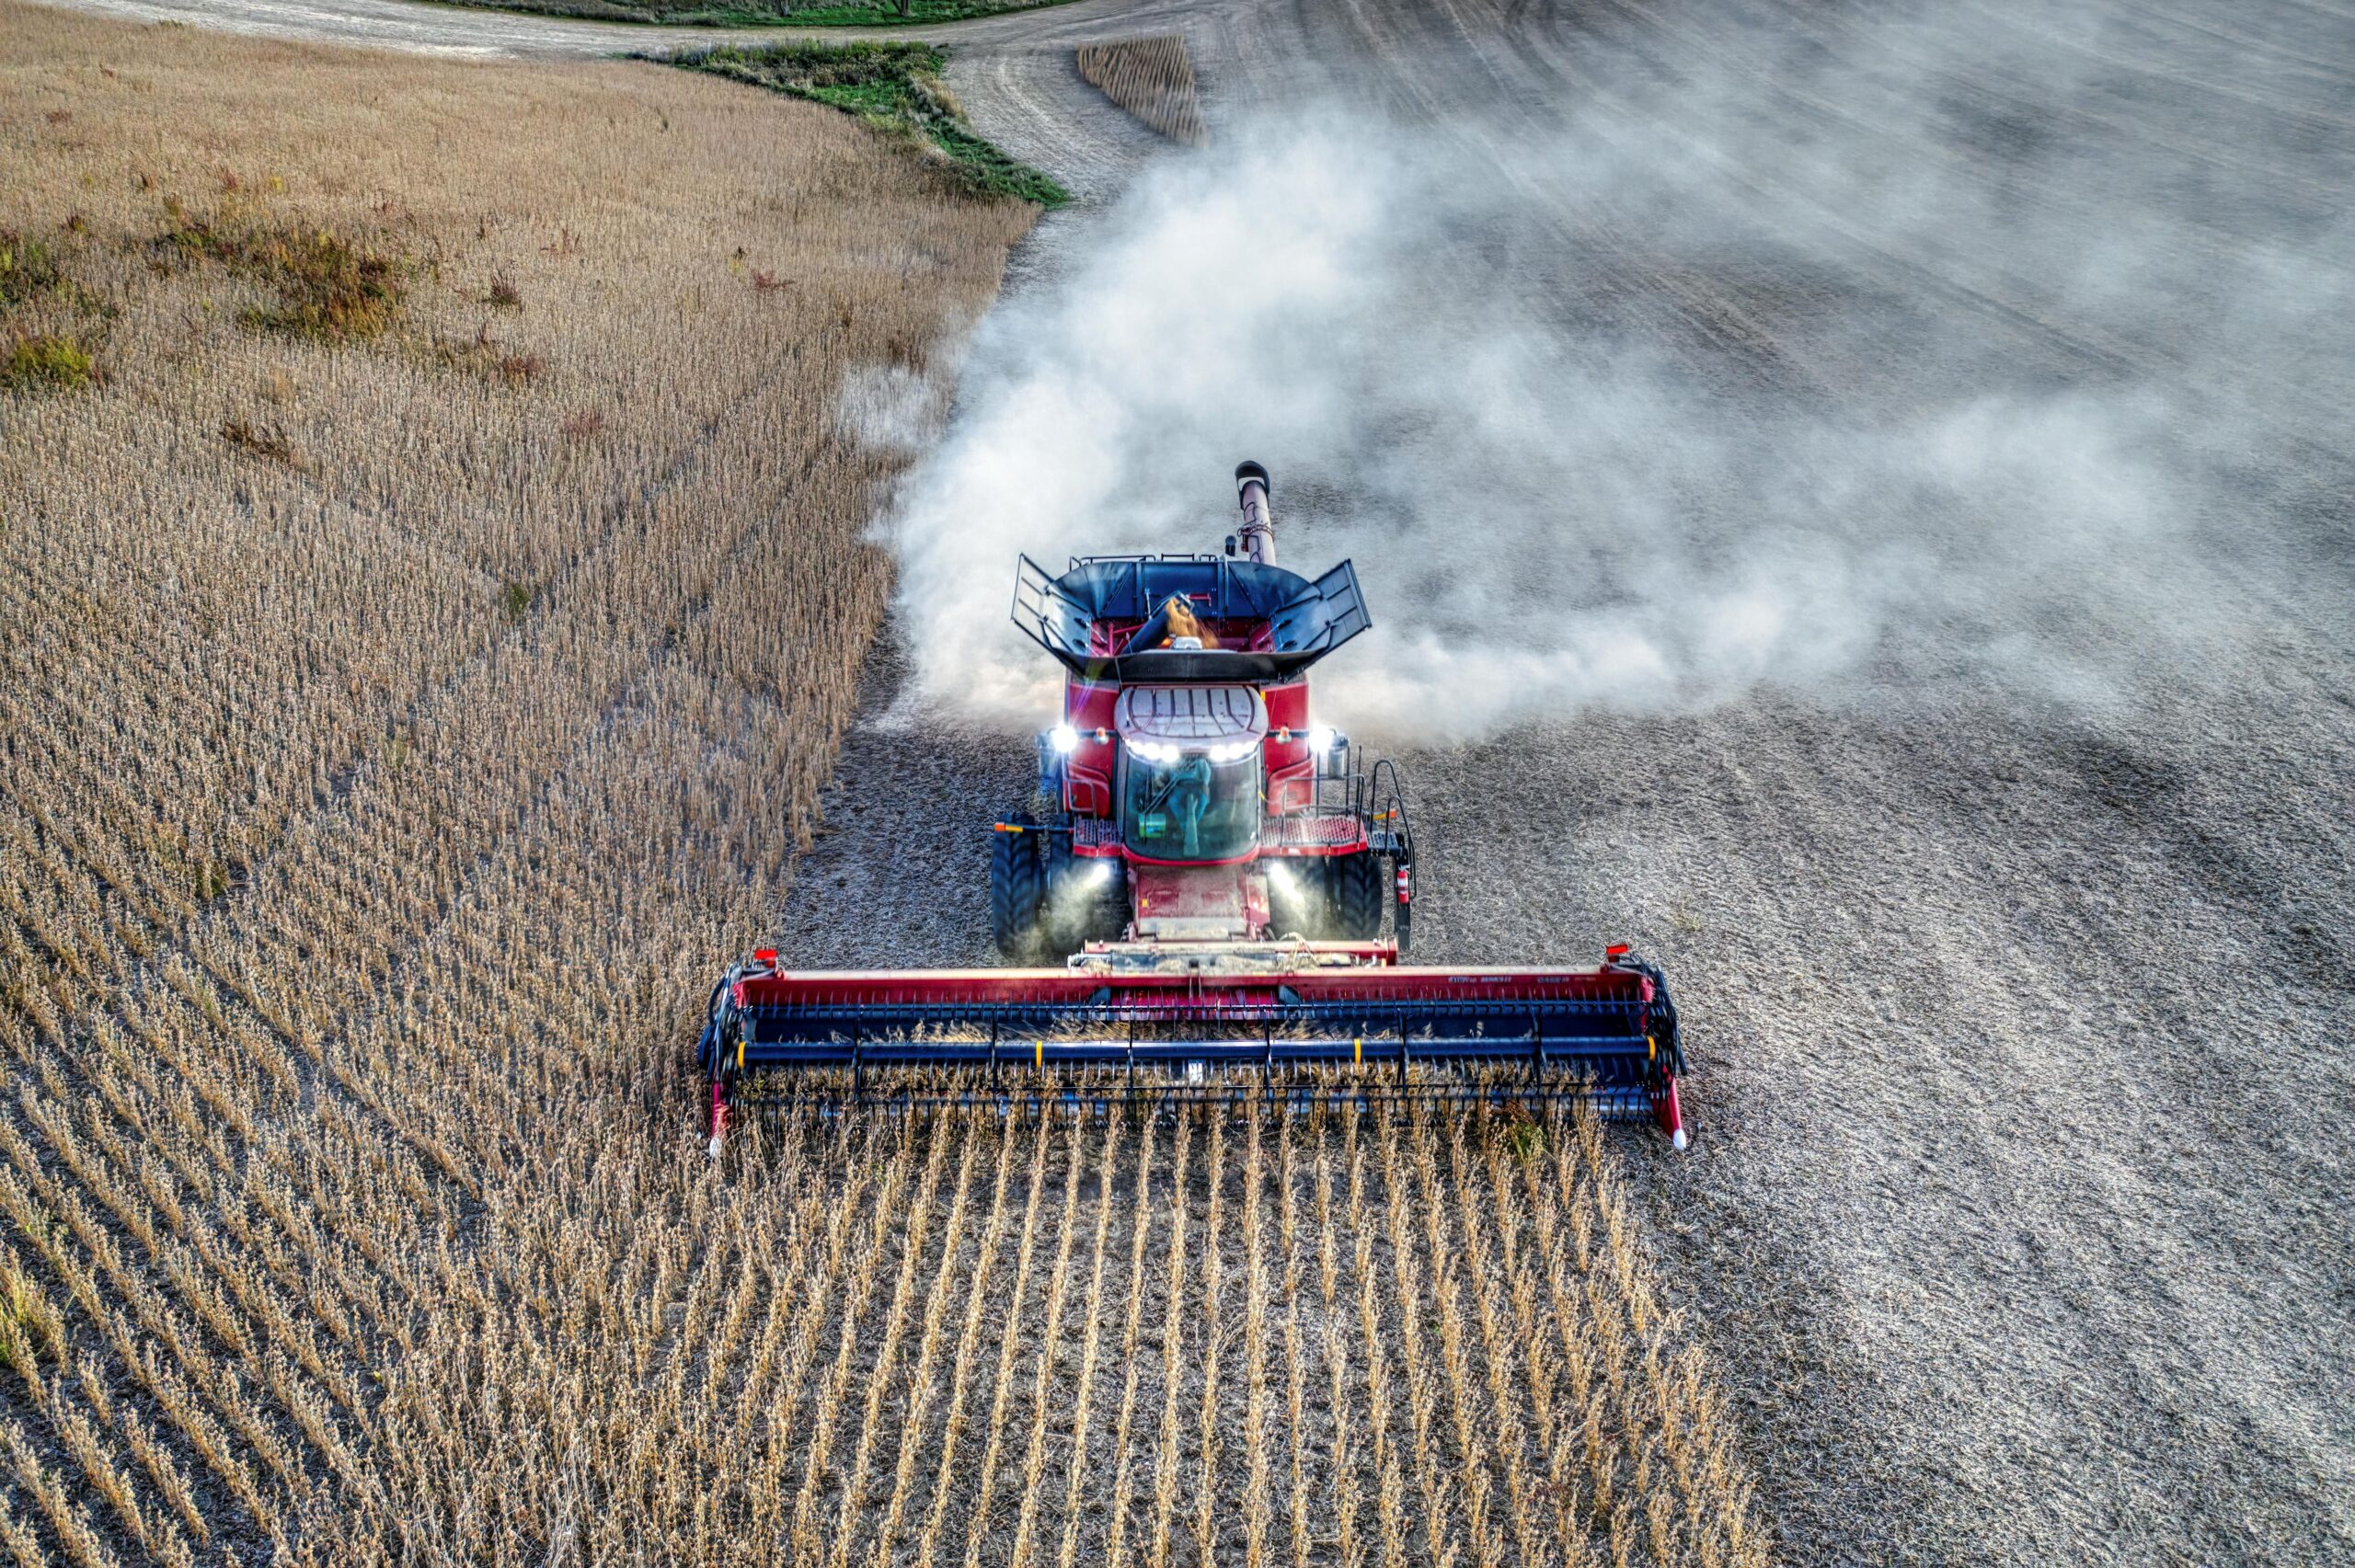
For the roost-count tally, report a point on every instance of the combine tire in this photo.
(1017, 896)
(1353, 887)
(1083, 903)
(1297, 904)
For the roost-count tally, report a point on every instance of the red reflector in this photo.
(1617, 950)
(765, 955)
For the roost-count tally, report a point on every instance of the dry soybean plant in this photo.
(1153, 78)
(1090, 1339)
(388, 743)
(378, 788)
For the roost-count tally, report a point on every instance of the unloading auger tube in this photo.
(1211, 906)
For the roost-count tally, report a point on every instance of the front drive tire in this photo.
(1297, 903)
(1017, 896)
(1087, 898)
(1353, 888)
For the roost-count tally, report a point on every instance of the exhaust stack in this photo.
(1258, 533)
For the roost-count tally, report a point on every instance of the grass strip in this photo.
(768, 13)
(893, 86)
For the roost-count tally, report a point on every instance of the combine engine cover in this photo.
(1216, 875)
(1223, 721)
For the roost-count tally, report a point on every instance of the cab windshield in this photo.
(1190, 809)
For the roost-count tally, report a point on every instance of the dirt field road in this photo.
(2016, 1220)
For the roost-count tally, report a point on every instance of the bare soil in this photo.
(2014, 1221)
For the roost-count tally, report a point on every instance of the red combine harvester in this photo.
(1195, 905)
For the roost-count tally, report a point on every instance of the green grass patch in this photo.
(46, 363)
(896, 88)
(768, 13)
(329, 287)
(28, 270)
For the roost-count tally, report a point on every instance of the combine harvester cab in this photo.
(1194, 905)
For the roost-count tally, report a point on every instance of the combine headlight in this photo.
(1156, 751)
(1064, 738)
(1321, 738)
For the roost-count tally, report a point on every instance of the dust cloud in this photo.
(1838, 379)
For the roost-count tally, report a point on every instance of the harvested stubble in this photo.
(370, 824)
(1153, 78)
